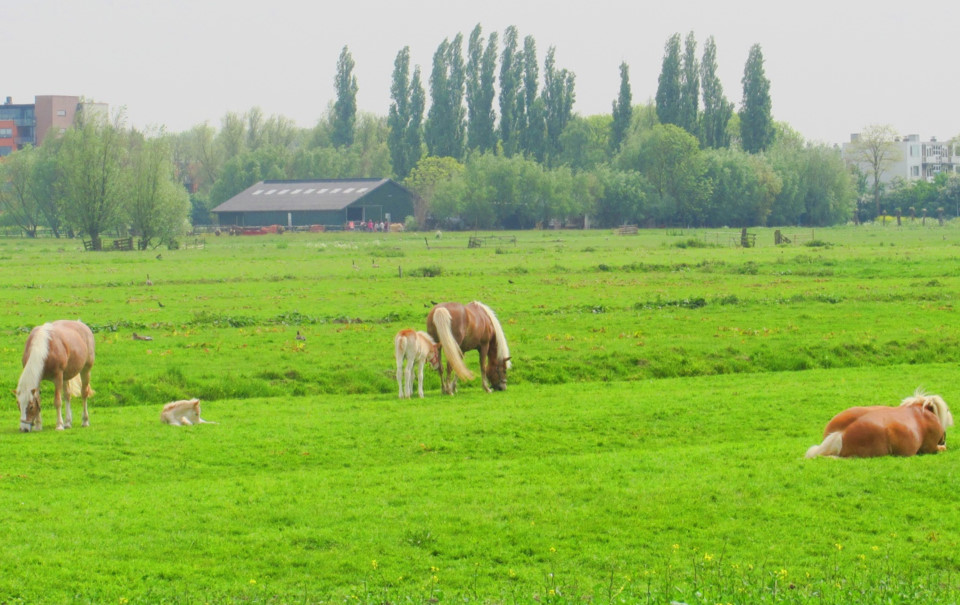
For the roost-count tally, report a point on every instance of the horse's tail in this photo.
(442, 321)
(74, 386)
(831, 446)
(503, 351)
(399, 345)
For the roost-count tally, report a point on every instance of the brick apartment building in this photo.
(30, 124)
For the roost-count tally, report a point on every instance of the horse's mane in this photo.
(503, 351)
(936, 402)
(33, 370)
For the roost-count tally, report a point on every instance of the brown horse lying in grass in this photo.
(917, 426)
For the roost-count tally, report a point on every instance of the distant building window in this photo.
(915, 171)
(914, 151)
(61, 112)
(6, 133)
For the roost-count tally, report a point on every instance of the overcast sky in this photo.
(834, 66)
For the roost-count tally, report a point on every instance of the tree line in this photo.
(97, 176)
(491, 140)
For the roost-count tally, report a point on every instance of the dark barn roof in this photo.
(306, 195)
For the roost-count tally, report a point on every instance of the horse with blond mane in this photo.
(472, 327)
(917, 426)
(63, 353)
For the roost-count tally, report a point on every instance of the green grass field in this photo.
(649, 446)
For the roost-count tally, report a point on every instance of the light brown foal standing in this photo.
(63, 353)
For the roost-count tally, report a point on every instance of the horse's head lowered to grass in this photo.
(28, 401)
(497, 374)
(63, 353)
(471, 327)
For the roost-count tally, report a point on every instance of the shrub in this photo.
(430, 271)
(692, 243)
(391, 252)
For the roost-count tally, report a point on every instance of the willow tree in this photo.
(874, 151)
(17, 198)
(157, 206)
(93, 157)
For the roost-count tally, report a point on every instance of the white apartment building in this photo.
(914, 159)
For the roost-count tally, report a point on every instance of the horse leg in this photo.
(400, 376)
(408, 387)
(445, 380)
(483, 369)
(68, 414)
(420, 377)
(84, 392)
(57, 394)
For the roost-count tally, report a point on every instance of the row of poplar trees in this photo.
(488, 138)
(462, 117)
(683, 77)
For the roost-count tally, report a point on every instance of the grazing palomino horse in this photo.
(917, 426)
(416, 348)
(461, 328)
(63, 353)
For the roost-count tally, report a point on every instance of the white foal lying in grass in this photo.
(179, 413)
